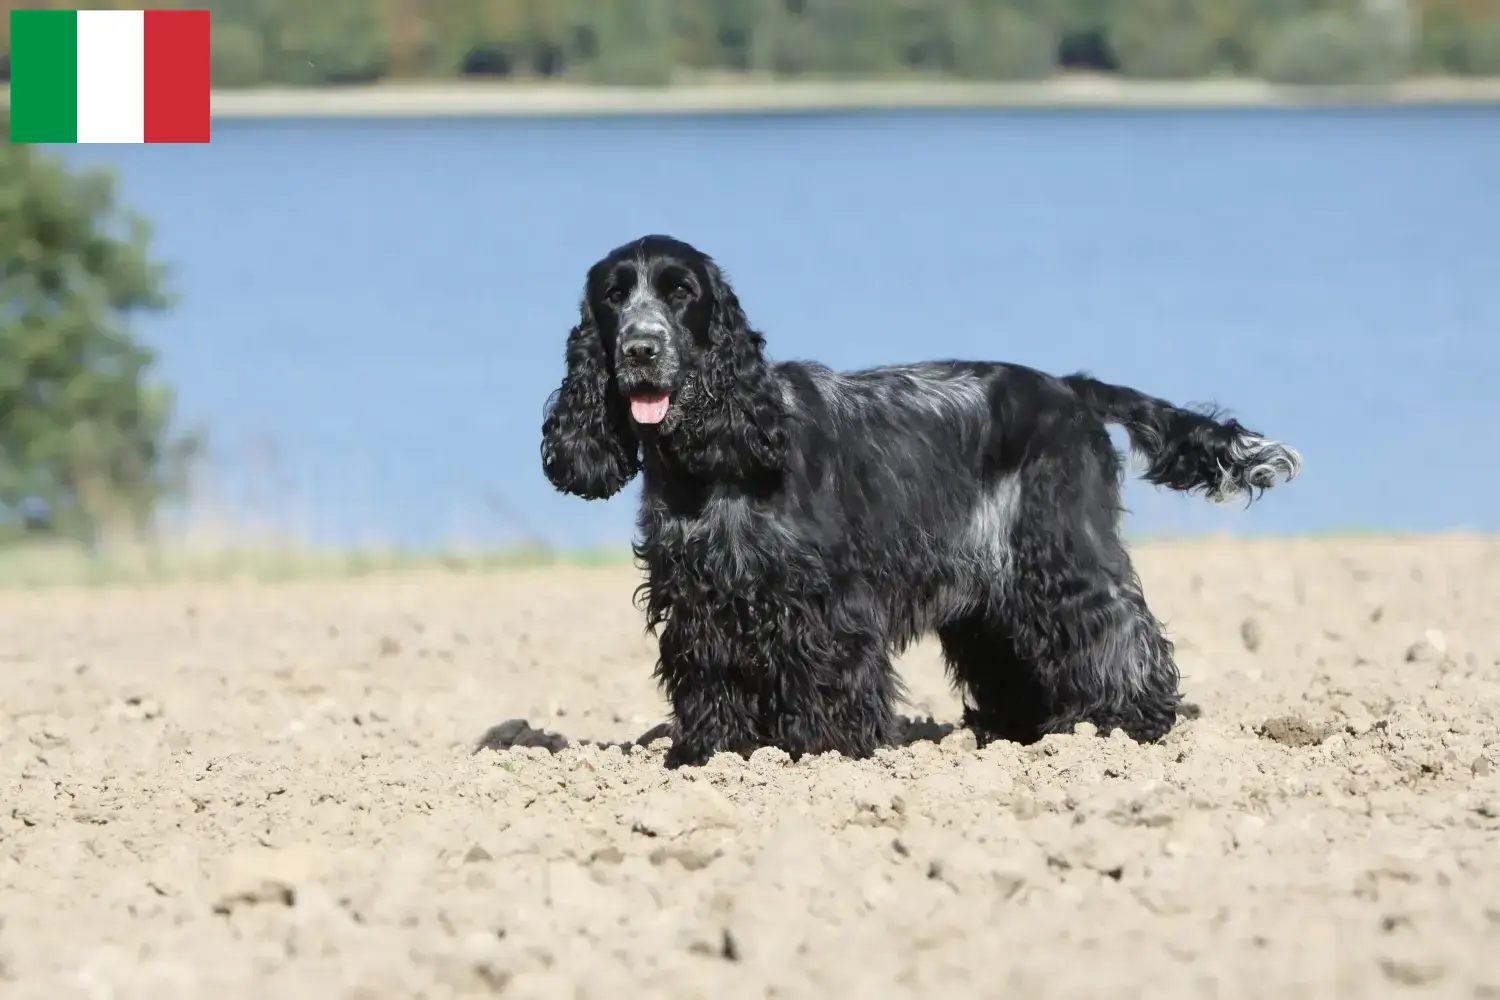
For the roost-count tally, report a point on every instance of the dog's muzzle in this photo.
(647, 363)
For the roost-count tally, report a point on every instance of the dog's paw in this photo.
(687, 755)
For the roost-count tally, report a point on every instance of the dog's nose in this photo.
(641, 350)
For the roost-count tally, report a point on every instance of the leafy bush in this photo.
(1329, 48)
(1003, 43)
(1440, 44)
(328, 42)
(629, 43)
(1481, 49)
(851, 37)
(84, 445)
(1175, 53)
(1164, 39)
(238, 57)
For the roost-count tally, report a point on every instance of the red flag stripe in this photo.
(177, 75)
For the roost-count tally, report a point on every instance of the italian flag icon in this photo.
(109, 76)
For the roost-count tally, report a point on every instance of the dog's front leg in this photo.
(710, 719)
(711, 712)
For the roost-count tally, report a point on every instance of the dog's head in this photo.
(654, 302)
(662, 351)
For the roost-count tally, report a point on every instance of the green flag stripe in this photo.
(43, 76)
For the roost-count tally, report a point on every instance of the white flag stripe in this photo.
(111, 76)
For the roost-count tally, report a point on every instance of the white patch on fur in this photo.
(1255, 462)
(730, 525)
(986, 538)
(898, 386)
(645, 310)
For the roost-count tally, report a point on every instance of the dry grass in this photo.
(62, 564)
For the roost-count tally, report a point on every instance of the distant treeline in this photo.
(657, 42)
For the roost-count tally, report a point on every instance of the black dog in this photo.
(801, 526)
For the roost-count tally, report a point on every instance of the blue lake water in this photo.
(372, 313)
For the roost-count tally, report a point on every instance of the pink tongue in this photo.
(649, 407)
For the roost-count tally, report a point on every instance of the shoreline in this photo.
(45, 566)
(530, 100)
(764, 97)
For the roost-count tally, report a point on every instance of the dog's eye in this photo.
(681, 293)
(615, 295)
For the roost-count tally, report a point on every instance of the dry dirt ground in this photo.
(272, 791)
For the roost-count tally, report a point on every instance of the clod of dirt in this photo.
(688, 858)
(1251, 634)
(137, 708)
(1482, 767)
(1410, 973)
(914, 730)
(520, 733)
(1433, 646)
(477, 854)
(1292, 731)
(255, 876)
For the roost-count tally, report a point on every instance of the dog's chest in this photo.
(727, 539)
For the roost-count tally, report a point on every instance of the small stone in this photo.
(389, 646)
(1251, 634)
(1087, 729)
(1246, 830)
(959, 741)
(655, 822)
(1482, 767)
(1336, 743)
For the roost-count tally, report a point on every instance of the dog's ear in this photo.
(736, 425)
(588, 446)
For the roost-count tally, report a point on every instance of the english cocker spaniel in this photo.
(800, 526)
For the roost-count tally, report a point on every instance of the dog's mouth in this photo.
(649, 406)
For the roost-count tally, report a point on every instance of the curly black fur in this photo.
(800, 526)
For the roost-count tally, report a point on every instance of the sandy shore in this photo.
(269, 790)
(531, 100)
(791, 97)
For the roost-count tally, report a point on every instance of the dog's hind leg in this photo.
(1067, 636)
(1079, 648)
(1078, 619)
(1002, 696)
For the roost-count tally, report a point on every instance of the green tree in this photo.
(84, 429)
(327, 42)
(1164, 39)
(1332, 47)
(625, 42)
(852, 38)
(1001, 40)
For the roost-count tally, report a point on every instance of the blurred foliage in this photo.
(85, 451)
(655, 42)
(1332, 47)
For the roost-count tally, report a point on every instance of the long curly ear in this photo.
(588, 447)
(737, 427)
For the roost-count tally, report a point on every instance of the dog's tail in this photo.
(1191, 451)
